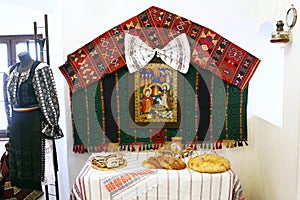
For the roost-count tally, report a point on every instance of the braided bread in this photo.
(209, 163)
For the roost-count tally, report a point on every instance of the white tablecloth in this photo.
(161, 184)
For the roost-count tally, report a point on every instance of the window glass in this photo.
(1, 86)
(3, 67)
(3, 57)
(25, 46)
(3, 121)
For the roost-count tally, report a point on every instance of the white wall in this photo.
(268, 168)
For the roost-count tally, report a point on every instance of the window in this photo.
(10, 47)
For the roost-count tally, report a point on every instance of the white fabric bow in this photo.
(176, 53)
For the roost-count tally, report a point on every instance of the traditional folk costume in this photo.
(33, 111)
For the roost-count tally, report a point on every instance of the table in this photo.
(160, 184)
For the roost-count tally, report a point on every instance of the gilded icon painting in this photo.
(156, 94)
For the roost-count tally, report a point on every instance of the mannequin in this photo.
(25, 60)
(32, 111)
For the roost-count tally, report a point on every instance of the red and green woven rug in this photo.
(156, 27)
(212, 101)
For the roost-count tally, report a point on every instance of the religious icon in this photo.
(156, 94)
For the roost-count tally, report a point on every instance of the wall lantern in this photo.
(280, 35)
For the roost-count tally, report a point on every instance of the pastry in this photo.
(109, 162)
(186, 152)
(112, 162)
(178, 164)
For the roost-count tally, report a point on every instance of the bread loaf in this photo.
(209, 163)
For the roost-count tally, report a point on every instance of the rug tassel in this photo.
(229, 143)
(75, 150)
(201, 145)
(132, 147)
(81, 149)
(240, 143)
(213, 146)
(218, 144)
(209, 145)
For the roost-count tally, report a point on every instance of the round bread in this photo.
(148, 165)
(164, 162)
(153, 161)
(209, 163)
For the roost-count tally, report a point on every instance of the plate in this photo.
(108, 162)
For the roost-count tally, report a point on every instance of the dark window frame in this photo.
(12, 41)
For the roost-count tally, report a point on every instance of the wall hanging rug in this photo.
(156, 27)
(97, 71)
(211, 113)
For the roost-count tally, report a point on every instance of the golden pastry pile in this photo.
(109, 162)
(164, 162)
(209, 163)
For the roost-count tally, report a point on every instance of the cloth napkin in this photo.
(129, 182)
